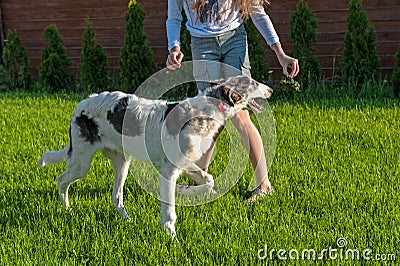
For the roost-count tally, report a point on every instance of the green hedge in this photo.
(137, 58)
(360, 61)
(15, 63)
(93, 68)
(303, 33)
(359, 69)
(53, 70)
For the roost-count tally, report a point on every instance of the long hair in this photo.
(244, 5)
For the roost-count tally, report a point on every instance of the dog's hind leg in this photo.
(121, 166)
(77, 169)
(168, 176)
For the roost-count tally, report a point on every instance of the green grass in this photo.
(336, 174)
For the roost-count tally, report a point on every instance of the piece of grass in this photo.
(335, 172)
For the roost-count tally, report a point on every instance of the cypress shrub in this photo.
(93, 68)
(136, 63)
(53, 70)
(15, 63)
(359, 62)
(303, 33)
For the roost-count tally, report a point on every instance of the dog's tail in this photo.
(54, 157)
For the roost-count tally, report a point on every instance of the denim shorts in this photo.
(222, 56)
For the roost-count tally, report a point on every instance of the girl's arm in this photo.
(173, 25)
(174, 22)
(264, 25)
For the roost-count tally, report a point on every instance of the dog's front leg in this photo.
(205, 183)
(168, 176)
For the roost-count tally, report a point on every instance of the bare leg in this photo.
(254, 145)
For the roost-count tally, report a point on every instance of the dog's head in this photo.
(238, 92)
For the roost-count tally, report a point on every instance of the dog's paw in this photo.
(212, 192)
(195, 190)
(210, 180)
(169, 227)
(125, 215)
(210, 186)
(41, 163)
(191, 190)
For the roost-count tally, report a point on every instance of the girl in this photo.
(218, 35)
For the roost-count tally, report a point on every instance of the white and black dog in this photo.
(172, 135)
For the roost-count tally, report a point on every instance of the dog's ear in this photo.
(225, 90)
(230, 95)
(211, 88)
(235, 97)
(217, 82)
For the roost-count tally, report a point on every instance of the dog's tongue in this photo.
(255, 106)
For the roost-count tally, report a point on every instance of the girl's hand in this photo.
(286, 61)
(174, 58)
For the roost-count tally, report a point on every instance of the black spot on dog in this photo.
(177, 117)
(89, 130)
(117, 115)
(116, 118)
(170, 107)
(70, 143)
(216, 134)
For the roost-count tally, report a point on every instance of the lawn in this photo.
(336, 173)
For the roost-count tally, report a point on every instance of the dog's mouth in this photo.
(255, 106)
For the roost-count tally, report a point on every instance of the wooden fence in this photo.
(30, 18)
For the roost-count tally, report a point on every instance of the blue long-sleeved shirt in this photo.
(217, 18)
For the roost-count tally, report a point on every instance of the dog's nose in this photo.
(267, 91)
